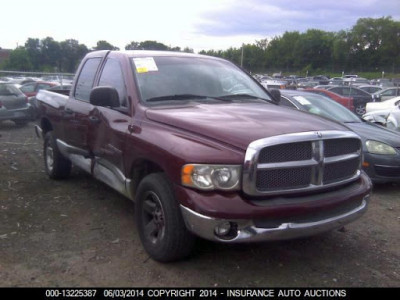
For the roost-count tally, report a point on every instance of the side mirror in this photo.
(276, 95)
(104, 96)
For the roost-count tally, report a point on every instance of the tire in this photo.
(159, 220)
(360, 109)
(57, 166)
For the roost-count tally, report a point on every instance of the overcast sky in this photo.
(198, 24)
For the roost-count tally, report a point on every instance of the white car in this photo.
(385, 105)
(378, 112)
(393, 120)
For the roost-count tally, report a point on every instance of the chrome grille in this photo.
(301, 162)
(280, 153)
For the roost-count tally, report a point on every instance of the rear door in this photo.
(78, 107)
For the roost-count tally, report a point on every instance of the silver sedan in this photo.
(14, 105)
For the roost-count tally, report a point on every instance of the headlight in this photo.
(376, 147)
(211, 177)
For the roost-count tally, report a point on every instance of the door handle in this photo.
(69, 111)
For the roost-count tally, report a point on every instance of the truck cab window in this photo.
(86, 78)
(112, 76)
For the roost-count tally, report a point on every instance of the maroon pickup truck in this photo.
(203, 150)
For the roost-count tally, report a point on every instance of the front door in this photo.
(108, 130)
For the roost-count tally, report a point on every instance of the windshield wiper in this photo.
(193, 96)
(240, 96)
(176, 97)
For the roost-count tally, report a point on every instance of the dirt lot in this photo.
(78, 232)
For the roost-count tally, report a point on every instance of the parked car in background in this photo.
(21, 80)
(336, 81)
(59, 79)
(273, 83)
(381, 147)
(356, 81)
(305, 83)
(385, 105)
(393, 120)
(378, 112)
(32, 88)
(350, 76)
(345, 101)
(384, 82)
(396, 81)
(14, 105)
(386, 94)
(369, 88)
(321, 79)
(360, 97)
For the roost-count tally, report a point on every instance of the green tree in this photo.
(104, 45)
(314, 48)
(132, 46)
(51, 53)
(341, 51)
(34, 50)
(72, 53)
(152, 45)
(376, 42)
(188, 50)
(19, 60)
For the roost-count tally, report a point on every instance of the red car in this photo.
(345, 101)
(32, 88)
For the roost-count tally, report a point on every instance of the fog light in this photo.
(226, 230)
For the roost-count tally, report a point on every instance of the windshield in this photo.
(193, 78)
(8, 89)
(323, 106)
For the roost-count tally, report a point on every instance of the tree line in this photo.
(48, 55)
(370, 45)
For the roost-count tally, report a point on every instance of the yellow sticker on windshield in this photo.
(145, 64)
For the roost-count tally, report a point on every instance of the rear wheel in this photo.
(360, 109)
(56, 165)
(161, 227)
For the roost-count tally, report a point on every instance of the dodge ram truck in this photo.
(203, 151)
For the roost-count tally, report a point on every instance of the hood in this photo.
(238, 124)
(370, 131)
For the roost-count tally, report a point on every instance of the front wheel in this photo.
(161, 227)
(56, 165)
(360, 109)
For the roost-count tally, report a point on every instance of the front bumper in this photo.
(247, 231)
(382, 168)
(274, 218)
